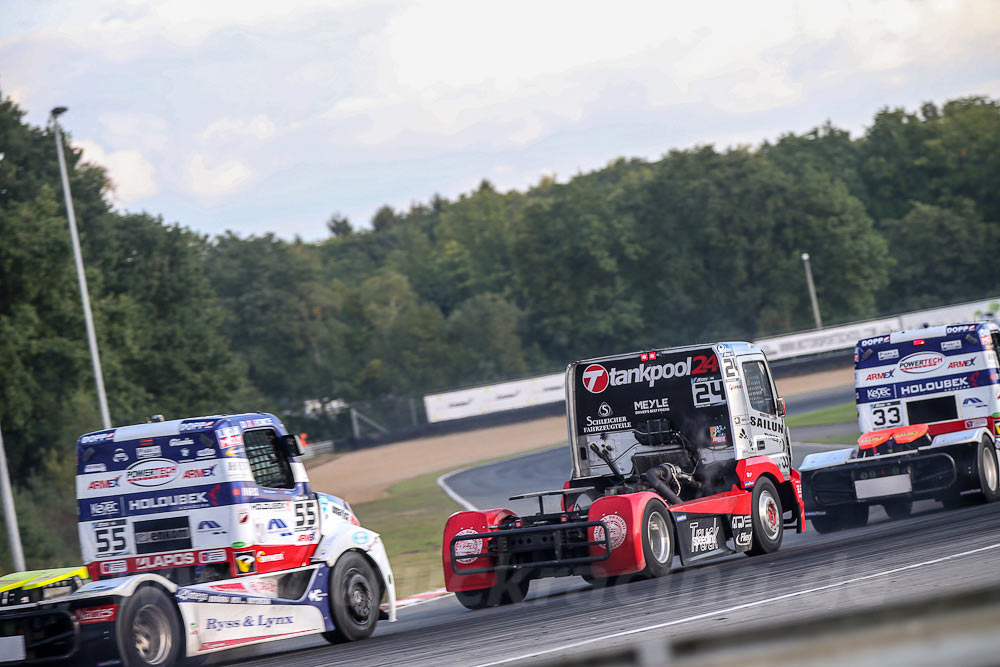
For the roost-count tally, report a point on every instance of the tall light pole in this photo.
(9, 515)
(812, 291)
(81, 277)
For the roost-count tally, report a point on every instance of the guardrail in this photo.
(541, 390)
(316, 448)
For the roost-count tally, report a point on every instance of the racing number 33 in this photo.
(886, 416)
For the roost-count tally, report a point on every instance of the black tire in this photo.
(508, 589)
(841, 518)
(355, 593)
(657, 540)
(900, 508)
(149, 630)
(766, 518)
(988, 470)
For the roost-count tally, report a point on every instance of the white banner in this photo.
(551, 388)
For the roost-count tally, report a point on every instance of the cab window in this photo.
(268, 461)
(759, 387)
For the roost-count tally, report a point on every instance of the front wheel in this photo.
(149, 632)
(766, 518)
(989, 473)
(899, 508)
(354, 598)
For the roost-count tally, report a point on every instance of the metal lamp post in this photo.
(812, 291)
(81, 277)
(10, 516)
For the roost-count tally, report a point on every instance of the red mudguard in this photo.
(467, 523)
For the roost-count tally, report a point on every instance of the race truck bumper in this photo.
(926, 472)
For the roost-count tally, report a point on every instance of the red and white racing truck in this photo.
(680, 450)
(198, 535)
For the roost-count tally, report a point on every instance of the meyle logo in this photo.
(97, 437)
(884, 375)
(151, 472)
(964, 363)
(181, 442)
(195, 426)
(211, 527)
(921, 362)
(199, 473)
(112, 483)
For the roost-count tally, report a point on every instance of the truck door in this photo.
(765, 429)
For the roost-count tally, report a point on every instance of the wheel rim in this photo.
(989, 466)
(151, 630)
(658, 535)
(770, 517)
(358, 596)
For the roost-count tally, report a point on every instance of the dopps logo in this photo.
(151, 472)
(921, 362)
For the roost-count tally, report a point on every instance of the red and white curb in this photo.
(421, 598)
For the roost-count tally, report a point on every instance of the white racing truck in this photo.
(929, 411)
(198, 535)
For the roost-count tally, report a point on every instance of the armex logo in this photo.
(112, 483)
(884, 375)
(199, 473)
(963, 363)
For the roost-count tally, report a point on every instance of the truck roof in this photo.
(939, 331)
(184, 426)
(722, 346)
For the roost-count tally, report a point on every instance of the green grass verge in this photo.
(841, 439)
(411, 523)
(837, 414)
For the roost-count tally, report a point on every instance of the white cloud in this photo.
(226, 129)
(144, 130)
(132, 176)
(212, 181)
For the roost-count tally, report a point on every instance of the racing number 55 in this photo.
(110, 539)
(305, 514)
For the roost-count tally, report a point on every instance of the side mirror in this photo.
(293, 445)
(781, 406)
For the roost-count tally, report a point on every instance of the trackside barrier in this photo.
(316, 448)
(545, 389)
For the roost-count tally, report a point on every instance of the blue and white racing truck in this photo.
(198, 535)
(929, 411)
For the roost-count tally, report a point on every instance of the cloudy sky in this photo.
(264, 116)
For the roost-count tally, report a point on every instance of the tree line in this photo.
(698, 245)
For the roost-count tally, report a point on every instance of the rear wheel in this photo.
(841, 518)
(988, 475)
(355, 594)
(149, 632)
(766, 518)
(657, 540)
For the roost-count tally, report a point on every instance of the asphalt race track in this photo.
(928, 553)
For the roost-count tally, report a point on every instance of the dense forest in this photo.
(699, 244)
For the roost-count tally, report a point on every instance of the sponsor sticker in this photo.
(884, 355)
(465, 549)
(151, 472)
(97, 437)
(245, 562)
(616, 530)
(704, 537)
(212, 556)
(103, 614)
(95, 467)
(196, 426)
(949, 345)
(921, 362)
(718, 434)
